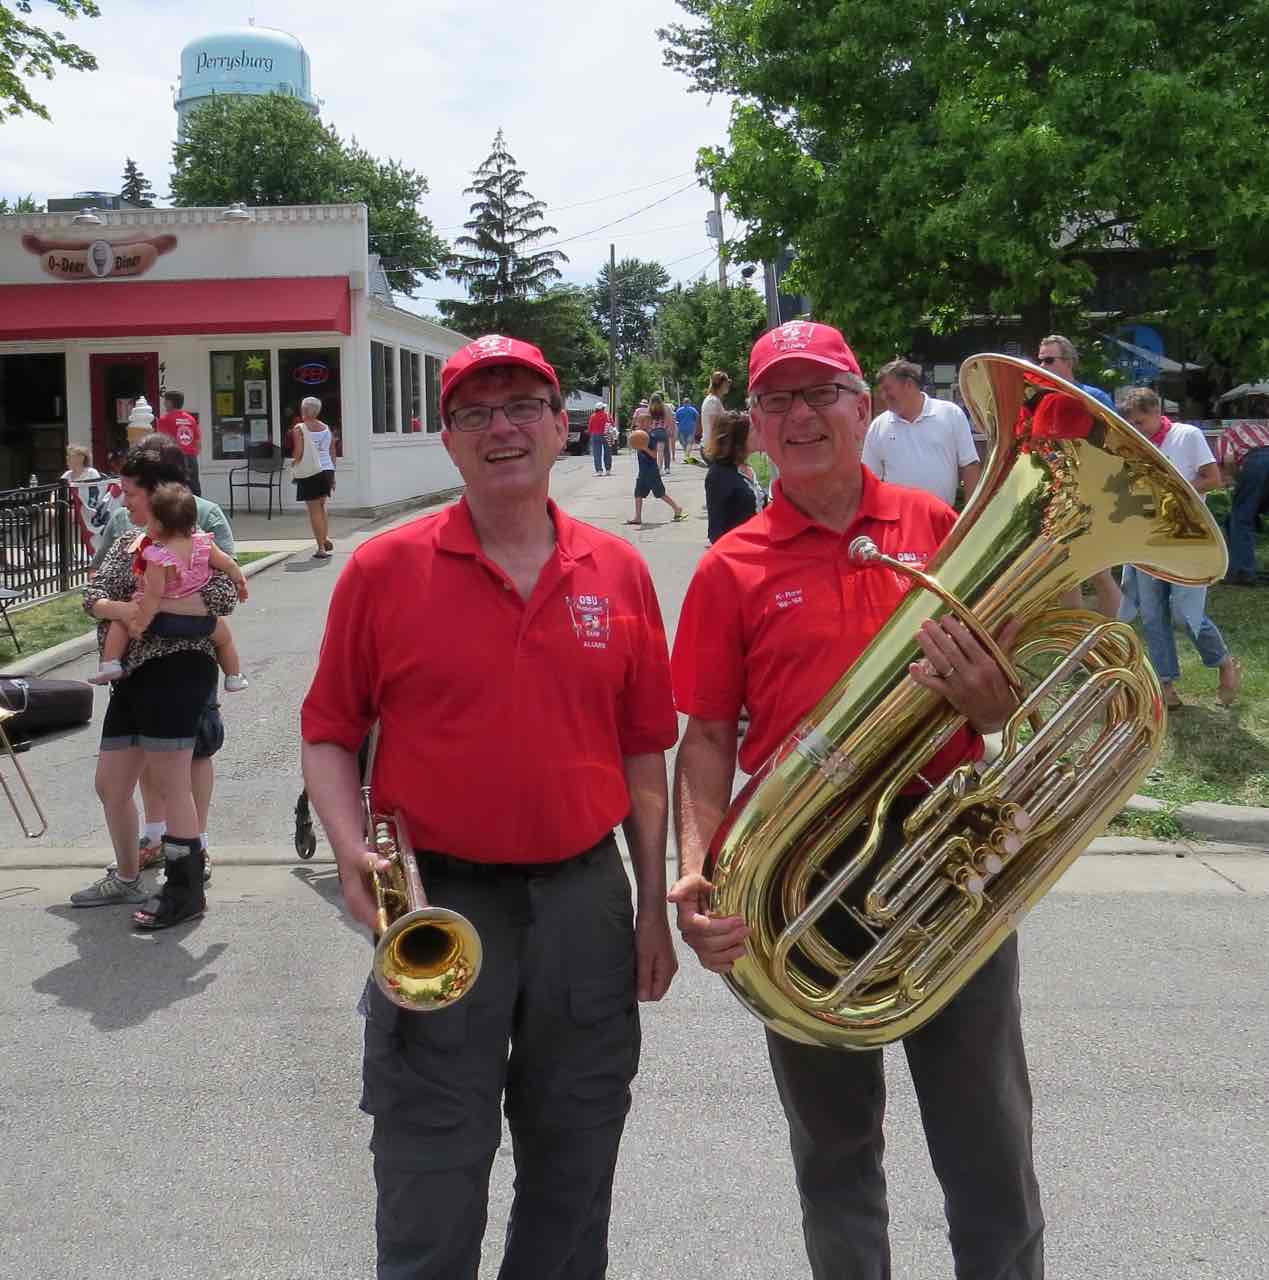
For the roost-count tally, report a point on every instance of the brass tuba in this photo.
(853, 949)
(426, 958)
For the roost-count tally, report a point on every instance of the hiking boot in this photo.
(110, 891)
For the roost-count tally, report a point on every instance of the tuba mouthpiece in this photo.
(862, 550)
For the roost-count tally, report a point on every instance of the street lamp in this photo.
(87, 218)
(237, 213)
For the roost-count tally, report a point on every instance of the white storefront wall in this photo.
(376, 469)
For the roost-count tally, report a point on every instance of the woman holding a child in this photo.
(170, 674)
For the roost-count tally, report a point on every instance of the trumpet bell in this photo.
(427, 959)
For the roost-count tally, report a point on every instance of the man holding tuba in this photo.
(516, 662)
(775, 613)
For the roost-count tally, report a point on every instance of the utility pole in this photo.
(612, 329)
(722, 253)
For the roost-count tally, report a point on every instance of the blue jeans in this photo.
(1249, 490)
(1164, 605)
(601, 452)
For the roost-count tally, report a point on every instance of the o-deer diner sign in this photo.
(98, 259)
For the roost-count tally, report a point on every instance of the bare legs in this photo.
(319, 523)
(202, 779)
(117, 776)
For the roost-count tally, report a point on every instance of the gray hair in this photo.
(1141, 398)
(1065, 345)
(905, 370)
(310, 406)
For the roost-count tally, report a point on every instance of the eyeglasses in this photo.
(520, 413)
(816, 397)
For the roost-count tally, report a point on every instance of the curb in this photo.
(60, 654)
(1206, 820)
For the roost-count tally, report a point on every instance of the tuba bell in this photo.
(854, 948)
(426, 958)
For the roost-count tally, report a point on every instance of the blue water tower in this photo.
(243, 61)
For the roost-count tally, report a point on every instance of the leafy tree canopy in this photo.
(27, 51)
(136, 187)
(271, 150)
(640, 286)
(23, 204)
(700, 330)
(932, 161)
(499, 259)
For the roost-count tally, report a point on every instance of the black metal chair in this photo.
(262, 470)
(8, 597)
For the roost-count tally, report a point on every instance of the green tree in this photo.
(640, 286)
(27, 51)
(701, 330)
(23, 204)
(638, 378)
(271, 150)
(136, 187)
(501, 261)
(933, 162)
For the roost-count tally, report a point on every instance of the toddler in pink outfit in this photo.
(173, 563)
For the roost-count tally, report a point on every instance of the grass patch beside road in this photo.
(41, 626)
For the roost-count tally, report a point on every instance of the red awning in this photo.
(139, 308)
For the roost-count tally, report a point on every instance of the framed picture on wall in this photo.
(255, 392)
(223, 371)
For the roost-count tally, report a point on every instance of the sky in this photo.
(587, 109)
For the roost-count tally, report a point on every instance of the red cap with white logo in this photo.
(801, 340)
(493, 349)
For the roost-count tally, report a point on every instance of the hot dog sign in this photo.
(98, 259)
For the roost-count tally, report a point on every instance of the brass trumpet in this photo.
(6, 747)
(426, 958)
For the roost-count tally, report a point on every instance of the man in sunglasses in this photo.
(516, 662)
(1059, 355)
(775, 613)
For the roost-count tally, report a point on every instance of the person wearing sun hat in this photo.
(516, 662)
(774, 615)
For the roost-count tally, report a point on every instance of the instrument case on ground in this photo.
(38, 705)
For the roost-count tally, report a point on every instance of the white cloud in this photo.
(577, 86)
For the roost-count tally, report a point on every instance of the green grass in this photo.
(1147, 826)
(40, 626)
(761, 465)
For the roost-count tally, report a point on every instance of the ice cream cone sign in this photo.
(140, 421)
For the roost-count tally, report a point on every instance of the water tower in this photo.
(241, 61)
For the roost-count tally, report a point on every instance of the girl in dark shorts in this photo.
(153, 721)
(649, 480)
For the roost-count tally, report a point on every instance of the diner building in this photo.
(246, 312)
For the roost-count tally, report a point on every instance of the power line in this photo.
(542, 248)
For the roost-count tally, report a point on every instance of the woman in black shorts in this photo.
(313, 470)
(153, 721)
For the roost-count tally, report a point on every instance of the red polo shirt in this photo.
(183, 428)
(776, 613)
(505, 722)
(597, 424)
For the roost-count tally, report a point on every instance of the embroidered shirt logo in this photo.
(493, 344)
(793, 336)
(592, 619)
(788, 599)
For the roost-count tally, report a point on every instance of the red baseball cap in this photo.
(493, 349)
(801, 340)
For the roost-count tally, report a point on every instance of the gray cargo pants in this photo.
(970, 1073)
(552, 1027)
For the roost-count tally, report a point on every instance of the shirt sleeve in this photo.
(647, 722)
(708, 665)
(966, 453)
(1200, 450)
(340, 704)
(217, 524)
(871, 457)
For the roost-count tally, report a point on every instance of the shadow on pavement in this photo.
(115, 985)
(324, 881)
(304, 566)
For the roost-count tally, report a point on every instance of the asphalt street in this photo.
(184, 1104)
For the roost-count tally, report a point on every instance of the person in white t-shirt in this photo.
(920, 442)
(712, 406)
(1163, 604)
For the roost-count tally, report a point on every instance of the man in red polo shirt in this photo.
(600, 450)
(774, 615)
(184, 429)
(516, 662)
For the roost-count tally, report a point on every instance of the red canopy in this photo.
(138, 308)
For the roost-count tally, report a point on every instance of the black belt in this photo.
(444, 865)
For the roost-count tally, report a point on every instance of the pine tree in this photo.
(136, 187)
(500, 264)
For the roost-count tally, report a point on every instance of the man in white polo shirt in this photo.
(920, 442)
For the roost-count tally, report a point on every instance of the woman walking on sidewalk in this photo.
(313, 470)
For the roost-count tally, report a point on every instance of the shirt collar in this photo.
(877, 501)
(909, 422)
(457, 534)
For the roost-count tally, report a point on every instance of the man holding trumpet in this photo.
(517, 664)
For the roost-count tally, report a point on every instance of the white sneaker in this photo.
(235, 684)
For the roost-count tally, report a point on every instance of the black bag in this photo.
(42, 705)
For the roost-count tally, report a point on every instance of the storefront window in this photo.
(433, 371)
(242, 414)
(310, 371)
(411, 390)
(383, 396)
